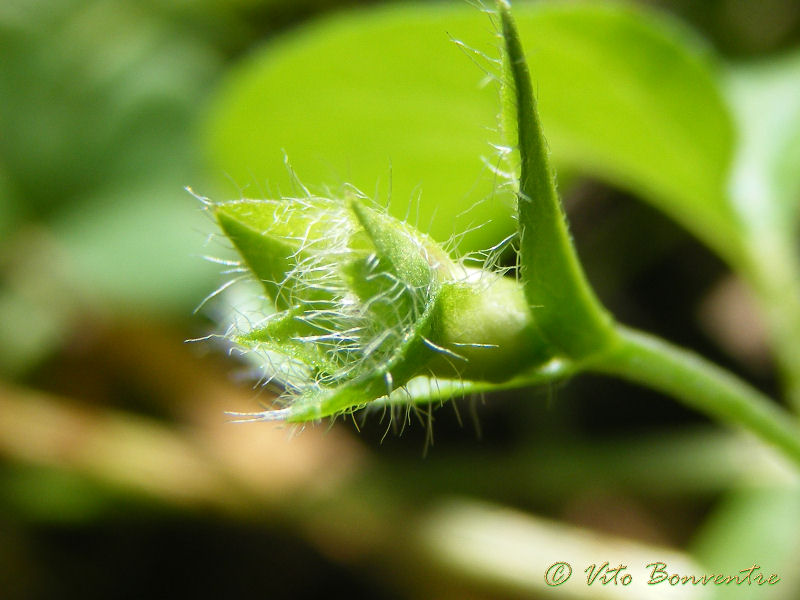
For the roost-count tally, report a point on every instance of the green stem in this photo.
(567, 313)
(701, 385)
(775, 278)
(432, 390)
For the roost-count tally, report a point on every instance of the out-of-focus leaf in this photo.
(132, 248)
(634, 100)
(97, 112)
(766, 180)
(754, 525)
(623, 95)
(140, 247)
(36, 299)
(368, 98)
(93, 92)
(8, 203)
(29, 329)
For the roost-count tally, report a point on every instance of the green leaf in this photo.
(96, 94)
(635, 100)
(624, 95)
(766, 179)
(97, 110)
(367, 98)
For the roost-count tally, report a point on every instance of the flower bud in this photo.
(365, 302)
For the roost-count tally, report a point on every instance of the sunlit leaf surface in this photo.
(625, 96)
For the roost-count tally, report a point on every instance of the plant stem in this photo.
(701, 385)
(775, 278)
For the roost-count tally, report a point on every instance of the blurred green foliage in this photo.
(765, 97)
(97, 111)
(109, 108)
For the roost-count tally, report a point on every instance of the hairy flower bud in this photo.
(365, 302)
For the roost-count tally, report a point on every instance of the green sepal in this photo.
(265, 256)
(398, 279)
(407, 359)
(399, 246)
(567, 312)
(274, 236)
(288, 334)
